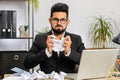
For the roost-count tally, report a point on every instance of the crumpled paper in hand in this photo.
(58, 44)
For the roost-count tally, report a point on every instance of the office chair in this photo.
(117, 41)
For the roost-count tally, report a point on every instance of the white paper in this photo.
(58, 44)
(13, 78)
(55, 76)
(40, 75)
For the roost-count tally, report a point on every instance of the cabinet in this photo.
(13, 50)
(11, 59)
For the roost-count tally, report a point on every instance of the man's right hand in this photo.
(50, 43)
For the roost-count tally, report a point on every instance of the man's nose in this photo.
(59, 22)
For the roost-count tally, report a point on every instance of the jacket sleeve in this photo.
(76, 49)
(36, 54)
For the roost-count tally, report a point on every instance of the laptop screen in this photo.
(96, 63)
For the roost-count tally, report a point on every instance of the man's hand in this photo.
(67, 44)
(50, 43)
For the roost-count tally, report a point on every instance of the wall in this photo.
(81, 12)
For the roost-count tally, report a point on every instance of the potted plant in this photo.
(24, 31)
(101, 32)
(36, 4)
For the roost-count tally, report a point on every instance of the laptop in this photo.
(96, 63)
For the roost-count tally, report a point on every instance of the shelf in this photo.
(15, 51)
(13, 0)
(18, 38)
(23, 43)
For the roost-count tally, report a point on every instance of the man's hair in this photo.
(60, 7)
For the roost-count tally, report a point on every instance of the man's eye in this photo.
(63, 19)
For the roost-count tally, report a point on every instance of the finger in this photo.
(67, 38)
(51, 44)
(66, 42)
(51, 37)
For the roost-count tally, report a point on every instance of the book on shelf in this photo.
(7, 24)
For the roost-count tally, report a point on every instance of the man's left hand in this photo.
(67, 44)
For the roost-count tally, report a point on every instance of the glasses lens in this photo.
(56, 20)
(63, 21)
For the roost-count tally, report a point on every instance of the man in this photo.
(43, 50)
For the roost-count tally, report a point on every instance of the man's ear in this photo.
(68, 21)
(49, 19)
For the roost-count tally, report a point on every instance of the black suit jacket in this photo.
(63, 63)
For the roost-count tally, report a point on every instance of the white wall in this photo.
(80, 13)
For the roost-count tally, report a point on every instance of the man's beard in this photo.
(58, 31)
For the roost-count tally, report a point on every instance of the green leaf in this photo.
(101, 31)
(36, 3)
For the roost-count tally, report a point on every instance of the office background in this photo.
(80, 15)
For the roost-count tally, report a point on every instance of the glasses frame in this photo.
(62, 20)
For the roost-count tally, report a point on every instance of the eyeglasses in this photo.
(56, 20)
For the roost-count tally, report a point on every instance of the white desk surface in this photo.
(73, 76)
(70, 76)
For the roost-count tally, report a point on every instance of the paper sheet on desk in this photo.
(18, 70)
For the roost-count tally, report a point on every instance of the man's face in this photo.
(59, 22)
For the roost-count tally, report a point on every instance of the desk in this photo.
(70, 76)
(5, 76)
(73, 76)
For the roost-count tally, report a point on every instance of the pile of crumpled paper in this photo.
(40, 75)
